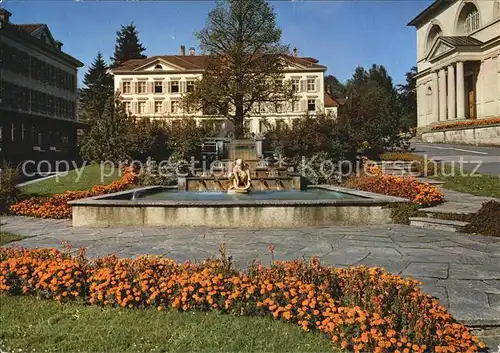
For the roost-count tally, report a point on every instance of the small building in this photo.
(458, 59)
(153, 88)
(38, 94)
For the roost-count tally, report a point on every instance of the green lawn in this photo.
(6, 238)
(480, 185)
(90, 176)
(32, 325)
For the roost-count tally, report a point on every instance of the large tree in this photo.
(408, 97)
(98, 88)
(244, 69)
(110, 134)
(373, 110)
(128, 45)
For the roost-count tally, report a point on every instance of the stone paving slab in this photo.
(462, 271)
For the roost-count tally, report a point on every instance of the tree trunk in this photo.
(239, 119)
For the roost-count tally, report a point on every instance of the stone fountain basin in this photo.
(138, 207)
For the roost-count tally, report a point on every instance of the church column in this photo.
(442, 95)
(435, 97)
(460, 91)
(451, 93)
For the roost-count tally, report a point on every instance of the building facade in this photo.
(153, 88)
(38, 94)
(458, 60)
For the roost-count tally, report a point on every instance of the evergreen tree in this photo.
(408, 97)
(110, 134)
(127, 45)
(97, 91)
(246, 62)
(335, 87)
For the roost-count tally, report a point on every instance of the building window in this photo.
(158, 87)
(311, 105)
(190, 86)
(142, 87)
(158, 107)
(158, 67)
(142, 107)
(128, 107)
(175, 87)
(295, 84)
(471, 22)
(126, 87)
(311, 85)
(175, 107)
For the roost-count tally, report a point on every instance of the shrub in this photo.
(361, 309)
(9, 192)
(419, 164)
(57, 206)
(467, 123)
(486, 220)
(401, 212)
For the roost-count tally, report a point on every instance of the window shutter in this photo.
(184, 85)
(303, 85)
(152, 87)
(164, 87)
(151, 107)
(135, 89)
(303, 105)
(317, 103)
(121, 87)
(317, 85)
(135, 107)
(169, 89)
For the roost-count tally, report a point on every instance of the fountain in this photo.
(228, 197)
(240, 177)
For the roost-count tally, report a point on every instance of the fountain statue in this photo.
(239, 177)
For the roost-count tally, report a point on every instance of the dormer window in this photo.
(158, 67)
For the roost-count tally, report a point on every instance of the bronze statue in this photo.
(240, 177)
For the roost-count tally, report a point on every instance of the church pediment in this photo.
(438, 49)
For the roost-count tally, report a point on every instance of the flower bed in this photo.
(422, 194)
(361, 309)
(467, 123)
(57, 206)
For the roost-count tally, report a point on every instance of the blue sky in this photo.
(341, 34)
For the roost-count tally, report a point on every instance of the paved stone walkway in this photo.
(459, 203)
(462, 271)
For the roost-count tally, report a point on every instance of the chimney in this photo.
(295, 52)
(59, 44)
(183, 50)
(4, 15)
(192, 51)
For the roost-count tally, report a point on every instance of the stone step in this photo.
(438, 224)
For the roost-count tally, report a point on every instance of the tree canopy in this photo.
(128, 45)
(245, 63)
(98, 88)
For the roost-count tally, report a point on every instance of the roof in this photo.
(198, 62)
(25, 32)
(30, 27)
(429, 12)
(461, 41)
(329, 101)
